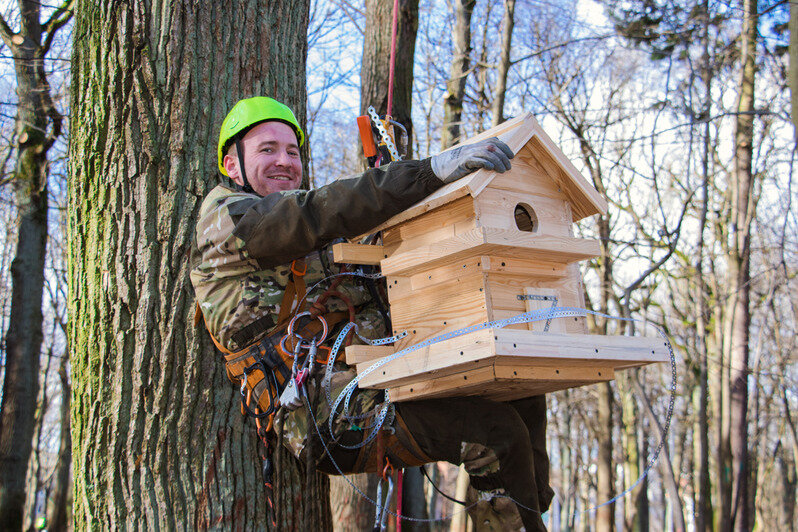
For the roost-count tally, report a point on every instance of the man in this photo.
(263, 242)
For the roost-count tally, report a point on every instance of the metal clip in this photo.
(534, 297)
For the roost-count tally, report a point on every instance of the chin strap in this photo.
(240, 150)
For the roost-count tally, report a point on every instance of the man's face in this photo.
(271, 159)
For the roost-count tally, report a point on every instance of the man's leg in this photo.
(533, 412)
(489, 437)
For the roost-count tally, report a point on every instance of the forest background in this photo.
(679, 112)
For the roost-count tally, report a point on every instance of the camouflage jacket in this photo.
(245, 244)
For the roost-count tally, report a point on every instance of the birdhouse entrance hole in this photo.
(525, 218)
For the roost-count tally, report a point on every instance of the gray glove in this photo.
(453, 164)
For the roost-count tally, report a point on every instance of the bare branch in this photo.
(6, 33)
(57, 20)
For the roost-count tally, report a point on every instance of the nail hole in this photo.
(411, 389)
(515, 345)
(515, 373)
(465, 378)
(596, 350)
(414, 331)
(430, 277)
(461, 353)
(557, 371)
(599, 374)
(503, 264)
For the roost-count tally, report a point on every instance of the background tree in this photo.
(37, 126)
(375, 65)
(157, 433)
(458, 72)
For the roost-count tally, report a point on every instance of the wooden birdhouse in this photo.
(488, 247)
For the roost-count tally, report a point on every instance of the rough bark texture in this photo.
(350, 511)
(508, 21)
(38, 124)
(458, 73)
(158, 438)
(739, 315)
(376, 61)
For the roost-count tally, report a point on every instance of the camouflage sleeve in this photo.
(287, 225)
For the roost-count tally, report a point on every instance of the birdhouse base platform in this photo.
(504, 364)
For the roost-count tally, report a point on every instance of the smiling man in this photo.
(260, 243)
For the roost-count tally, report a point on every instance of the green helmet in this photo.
(249, 112)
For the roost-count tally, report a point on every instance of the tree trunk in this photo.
(508, 21)
(703, 513)
(630, 429)
(58, 515)
(158, 437)
(743, 209)
(374, 75)
(374, 69)
(37, 124)
(458, 73)
(605, 515)
(350, 511)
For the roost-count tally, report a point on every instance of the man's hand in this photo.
(492, 154)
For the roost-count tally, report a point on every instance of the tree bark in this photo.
(605, 515)
(508, 21)
(38, 125)
(158, 438)
(458, 73)
(703, 514)
(743, 210)
(376, 61)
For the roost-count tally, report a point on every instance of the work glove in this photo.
(492, 154)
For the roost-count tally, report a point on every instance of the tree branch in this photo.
(57, 20)
(6, 33)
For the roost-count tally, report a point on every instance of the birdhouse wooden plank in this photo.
(489, 247)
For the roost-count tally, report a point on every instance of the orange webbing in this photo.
(294, 290)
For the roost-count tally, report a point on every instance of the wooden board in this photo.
(501, 382)
(448, 306)
(495, 208)
(347, 253)
(487, 241)
(358, 354)
(516, 348)
(504, 289)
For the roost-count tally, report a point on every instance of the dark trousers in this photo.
(513, 432)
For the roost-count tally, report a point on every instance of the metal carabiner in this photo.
(321, 338)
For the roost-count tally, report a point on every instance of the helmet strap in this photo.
(240, 150)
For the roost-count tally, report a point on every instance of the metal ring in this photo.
(290, 330)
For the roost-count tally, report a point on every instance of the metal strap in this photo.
(534, 297)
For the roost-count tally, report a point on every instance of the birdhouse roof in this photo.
(517, 133)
